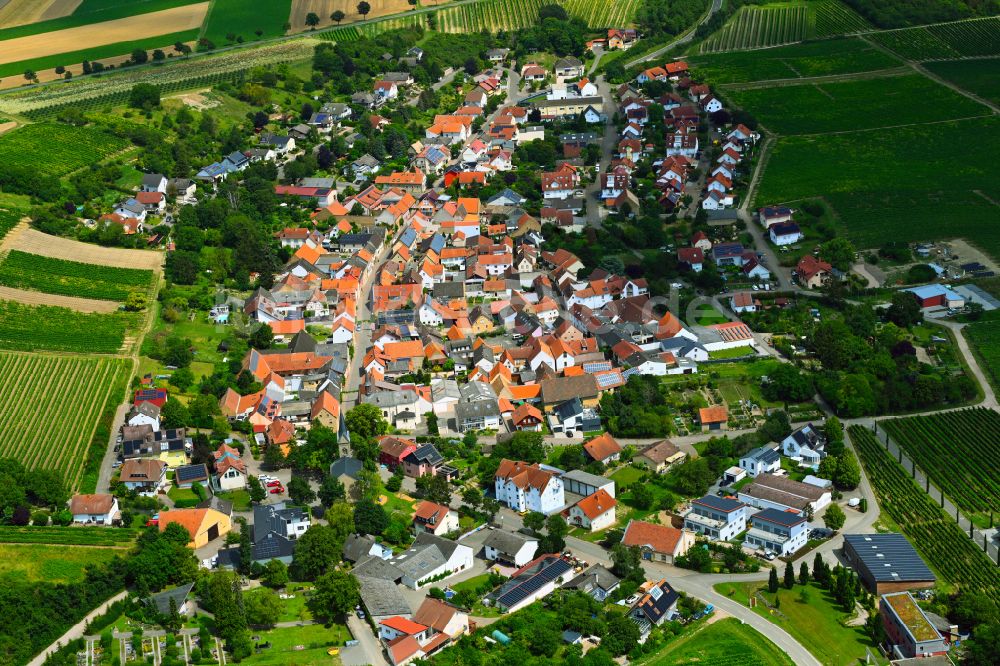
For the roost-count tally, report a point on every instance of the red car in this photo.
(277, 491)
(274, 484)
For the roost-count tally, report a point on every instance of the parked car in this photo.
(277, 491)
(274, 484)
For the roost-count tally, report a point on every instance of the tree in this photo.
(144, 96)
(172, 621)
(275, 574)
(364, 8)
(838, 252)
(159, 55)
(263, 607)
(182, 378)
(772, 581)
(848, 474)
(557, 529)
(312, 20)
(257, 492)
(300, 492)
(316, 551)
(135, 301)
(642, 496)
(534, 521)
(819, 571)
(435, 488)
(331, 490)
(804, 574)
(834, 517)
(335, 594)
(627, 560)
(174, 414)
(274, 458)
(338, 16)
(904, 310)
(366, 421)
(369, 517)
(31, 75)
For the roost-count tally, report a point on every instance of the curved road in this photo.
(686, 38)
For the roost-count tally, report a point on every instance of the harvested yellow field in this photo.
(323, 9)
(132, 28)
(22, 12)
(30, 240)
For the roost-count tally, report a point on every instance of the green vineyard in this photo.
(8, 220)
(51, 149)
(63, 536)
(939, 539)
(943, 41)
(957, 450)
(53, 406)
(762, 26)
(493, 16)
(50, 328)
(69, 278)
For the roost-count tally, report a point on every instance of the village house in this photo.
(658, 543)
(528, 487)
(435, 519)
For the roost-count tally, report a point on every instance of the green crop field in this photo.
(240, 18)
(51, 149)
(945, 546)
(821, 58)
(68, 536)
(94, 11)
(50, 328)
(70, 278)
(984, 336)
(881, 184)
(957, 450)
(761, 26)
(727, 642)
(53, 564)
(9, 220)
(980, 77)
(943, 41)
(53, 406)
(854, 105)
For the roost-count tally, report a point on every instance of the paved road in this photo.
(107, 470)
(609, 143)
(686, 38)
(368, 651)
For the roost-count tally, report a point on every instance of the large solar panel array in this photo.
(889, 557)
(535, 583)
(596, 366)
(608, 379)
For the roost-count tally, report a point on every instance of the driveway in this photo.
(368, 650)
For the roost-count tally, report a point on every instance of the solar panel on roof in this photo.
(604, 381)
(596, 366)
(535, 583)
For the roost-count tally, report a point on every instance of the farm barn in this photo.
(936, 296)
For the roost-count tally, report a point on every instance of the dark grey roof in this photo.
(220, 505)
(152, 179)
(345, 467)
(659, 601)
(596, 577)
(427, 454)
(786, 518)
(272, 546)
(889, 557)
(508, 543)
(377, 568)
(724, 504)
(357, 546)
(162, 599)
(477, 409)
(382, 598)
(191, 473)
(272, 519)
(767, 454)
(568, 409)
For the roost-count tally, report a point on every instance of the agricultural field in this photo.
(861, 175)
(945, 546)
(68, 536)
(762, 26)
(984, 337)
(51, 149)
(113, 88)
(943, 41)
(979, 77)
(494, 15)
(57, 276)
(845, 106)
(957, 450)
(821, 58)
(8, 220)
(55, 403)
(54, 564)
(51, 328)
(88, 12)
(727, 642)
(229, 19)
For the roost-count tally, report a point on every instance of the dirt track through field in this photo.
(132, 28)
(30, 240)
(22, 12)
(323, 9)
(38, 298)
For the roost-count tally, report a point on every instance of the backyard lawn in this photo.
(817, 624)
(239, 498)
(300, 646)
(626, 476)
(726, 641)
(55, 564)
